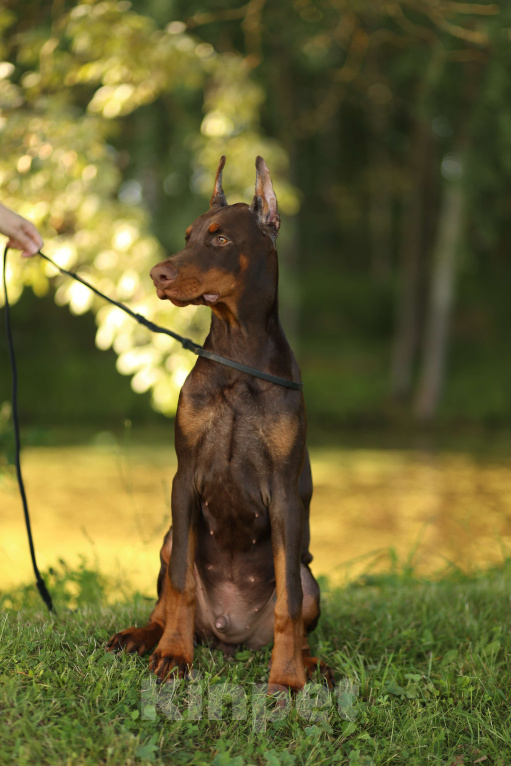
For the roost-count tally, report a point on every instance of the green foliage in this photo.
(65, 88)
(113, 116)
(69, 588)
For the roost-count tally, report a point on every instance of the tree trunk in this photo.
(380, 197)
(284, 118)
(417, 208)
(440, 301)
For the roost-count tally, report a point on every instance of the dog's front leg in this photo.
(287, 669)
(175, 649)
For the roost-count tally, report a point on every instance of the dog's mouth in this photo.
(206, 299)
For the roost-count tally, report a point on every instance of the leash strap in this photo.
(41, 585)
(185, 342)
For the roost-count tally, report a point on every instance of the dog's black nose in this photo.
(163, 273)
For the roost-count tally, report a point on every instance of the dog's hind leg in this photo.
(142, 640)
(311, 612)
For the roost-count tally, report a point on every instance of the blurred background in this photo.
(387, 130)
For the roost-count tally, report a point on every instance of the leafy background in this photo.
(387, 129)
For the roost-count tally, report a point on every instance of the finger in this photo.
(28, 247)
(19, 243)
(37, 240)
(32, 240)
(28, 252)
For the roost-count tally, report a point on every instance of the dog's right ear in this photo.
(218, 198)
(264, 204)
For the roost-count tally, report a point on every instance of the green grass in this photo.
(423, 670)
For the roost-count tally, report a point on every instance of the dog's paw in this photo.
(291, 677)
(314, 665)
(167, 666)
(279, 697)
(140, 640)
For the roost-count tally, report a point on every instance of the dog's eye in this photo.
(222, 240)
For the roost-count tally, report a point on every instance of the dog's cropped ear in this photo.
(264, 204)
(218, 198)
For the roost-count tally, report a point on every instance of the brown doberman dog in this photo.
(235, 564)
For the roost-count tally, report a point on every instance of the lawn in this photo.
(422, 669)
(418, 636)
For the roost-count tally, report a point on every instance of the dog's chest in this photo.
(230, 446)
(225, 435)
(236, 429)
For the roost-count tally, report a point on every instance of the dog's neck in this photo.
(248, 331)
(244, 323)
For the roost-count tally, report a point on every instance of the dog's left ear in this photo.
(218, 197)
(264, 204)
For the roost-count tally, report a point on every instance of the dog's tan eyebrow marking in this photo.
(188, 231)
(214, 227)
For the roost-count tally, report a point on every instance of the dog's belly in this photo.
(235, 570)
(236, 575)
(228, 613)
(233, 517)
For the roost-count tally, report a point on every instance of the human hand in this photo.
(22, 234)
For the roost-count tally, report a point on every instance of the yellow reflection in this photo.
(111, 505)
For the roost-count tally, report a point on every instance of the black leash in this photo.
(41, 585)
(185, 342)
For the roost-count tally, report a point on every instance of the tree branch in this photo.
(231, 14)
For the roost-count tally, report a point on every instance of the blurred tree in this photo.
(72, 78)
(371, 109)
(369, 100)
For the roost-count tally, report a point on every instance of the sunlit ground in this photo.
(109, 502)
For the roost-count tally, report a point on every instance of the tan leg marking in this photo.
(287, 668)
(175, 649)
